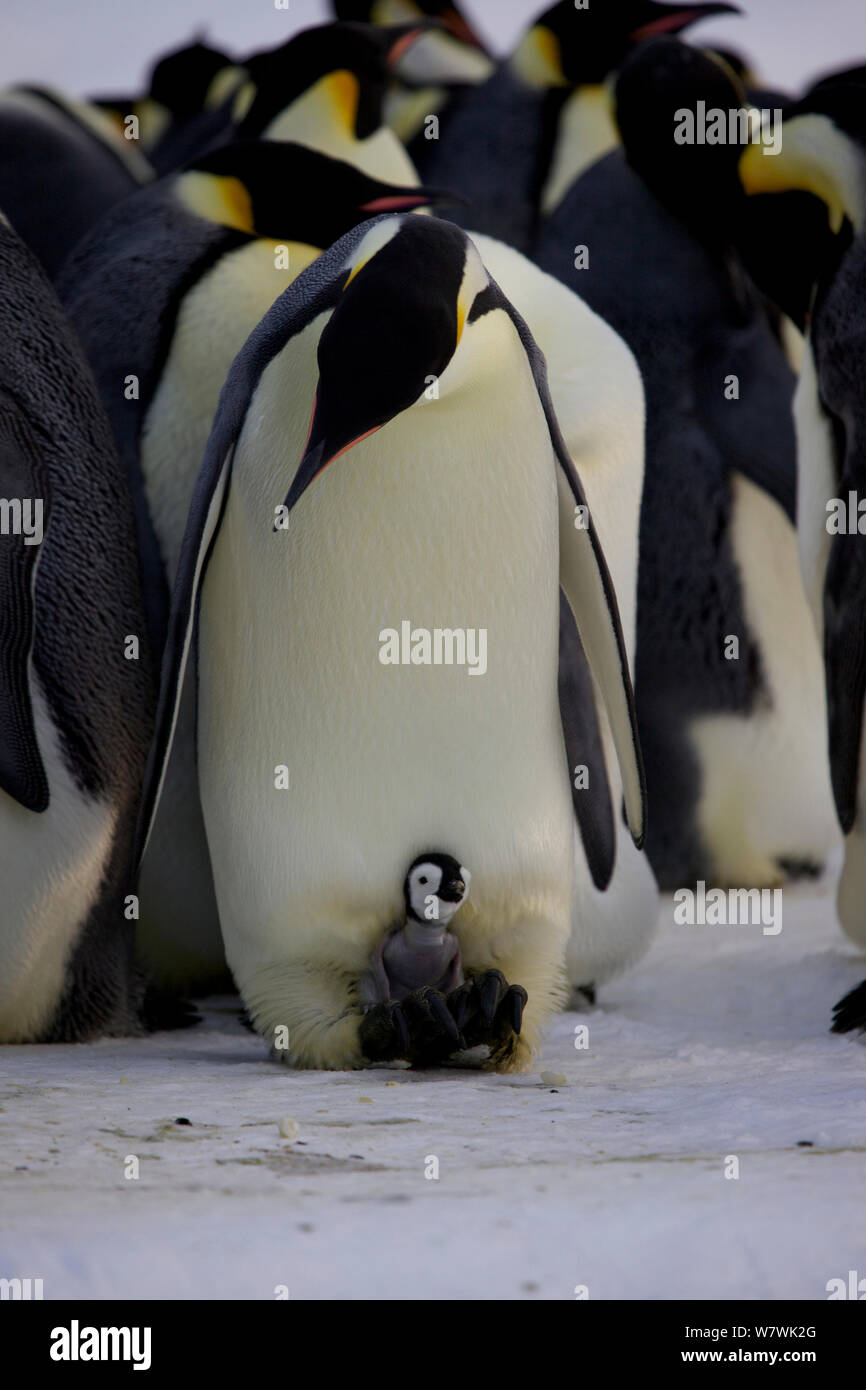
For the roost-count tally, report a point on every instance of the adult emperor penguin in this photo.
(728, 675)
(443, 61)
(184, 85)
(514, 144)
(166, 294)
(77, 687)
(61, 168)
(324, 767)
(823, 158)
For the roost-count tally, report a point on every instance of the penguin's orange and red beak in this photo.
(671, 19)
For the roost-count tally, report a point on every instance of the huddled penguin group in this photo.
(418, 525)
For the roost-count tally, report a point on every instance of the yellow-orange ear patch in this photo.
(344, 92)
(219, 198)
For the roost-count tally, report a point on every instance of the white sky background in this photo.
(91, 46)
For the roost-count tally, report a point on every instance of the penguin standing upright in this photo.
(77, 686)
(410, 696)
(514, 144)
(727, 673)
(822, 161)
(164, 296)
(61, 168)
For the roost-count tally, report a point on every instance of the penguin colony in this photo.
(429, 523)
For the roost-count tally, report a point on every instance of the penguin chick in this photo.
(423, 951)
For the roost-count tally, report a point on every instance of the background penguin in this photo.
(735, 769)
(168, 293)
(184, 86)
(823, 160)
(61, 168)
(514, 144)
(325, 88)
(75, 713)
(433, 71)
(319, 868)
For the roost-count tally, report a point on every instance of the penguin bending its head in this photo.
(515, 143)
(823, 159)
(77, 683)
(167, 293)
(386, 745)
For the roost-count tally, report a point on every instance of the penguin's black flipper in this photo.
(23, 480)
(586, 582)
(590, 795)
(316, 290)
(850, 1012)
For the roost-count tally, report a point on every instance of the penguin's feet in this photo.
(487, 1009)
(419, 1029)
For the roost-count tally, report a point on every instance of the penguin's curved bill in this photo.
(670, 19)
(318, 454)
(407, 35)
(410, 200)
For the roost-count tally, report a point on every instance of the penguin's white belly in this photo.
(446, 518)
(765, 779)
(51, 867)
(179, 926)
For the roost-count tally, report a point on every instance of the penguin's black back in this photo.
(57, 178)
(123, 289)
(495, 145)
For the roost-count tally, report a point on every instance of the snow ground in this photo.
(716, 1045)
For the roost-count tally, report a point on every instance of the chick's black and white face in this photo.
(436, 891)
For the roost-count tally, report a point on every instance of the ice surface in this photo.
(716, 1046)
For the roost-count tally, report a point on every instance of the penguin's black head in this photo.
(358, 59)
(407, 297)
(274, 188)
(180, 81)
(435, 887)
(583, 45)
(448, 14)
(659, 85)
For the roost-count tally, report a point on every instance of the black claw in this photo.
(400, 1029)
(515, 1003)
(850, 1012)
(489, 994)
(459, 1005)
(442, 1015)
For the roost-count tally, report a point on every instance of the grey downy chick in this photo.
(422, 951)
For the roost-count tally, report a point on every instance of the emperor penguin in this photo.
(823, 161)
(728, 677)
(514, 144)
(164, 296)
(444, 60)
(61, 167)
(337, 736)
(77, 683)
(183, 86)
